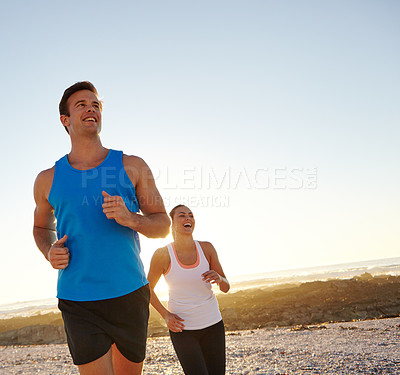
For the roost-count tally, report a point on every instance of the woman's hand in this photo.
(174, 322)
(212, 277)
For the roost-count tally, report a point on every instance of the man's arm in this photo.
(154, 221)
(44, 230)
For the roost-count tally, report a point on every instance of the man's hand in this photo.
(115, 208)
(58, 255)
(174, 322)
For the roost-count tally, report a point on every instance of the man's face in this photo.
(84, 113)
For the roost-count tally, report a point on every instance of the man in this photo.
(86, 224)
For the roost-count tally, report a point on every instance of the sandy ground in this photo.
(364, 347)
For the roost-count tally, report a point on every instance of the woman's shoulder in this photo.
(206, 245)
(208, 249)
(162, 252)
(161, 257)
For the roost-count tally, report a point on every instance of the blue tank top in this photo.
(104, 255)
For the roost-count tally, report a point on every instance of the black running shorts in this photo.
(93, 326)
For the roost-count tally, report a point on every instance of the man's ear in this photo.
(64, 120)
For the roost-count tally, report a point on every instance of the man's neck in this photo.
(87, 153)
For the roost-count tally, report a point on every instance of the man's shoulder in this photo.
(133, 161)
(46, 175)
(135, 167)
(43, 182)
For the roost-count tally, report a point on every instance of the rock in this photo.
(364, 277)
(228, 314)
(363, 297)
(34, 335)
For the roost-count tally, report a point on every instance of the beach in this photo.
(364, 347)
(349, 326)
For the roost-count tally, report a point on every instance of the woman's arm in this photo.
(158, 266)
(216, 274)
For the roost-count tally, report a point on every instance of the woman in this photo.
(193, 316)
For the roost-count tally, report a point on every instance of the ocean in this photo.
(388, 266)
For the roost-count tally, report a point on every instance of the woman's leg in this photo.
(213, 348)
(188, 350)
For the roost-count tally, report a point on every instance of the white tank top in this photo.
(190, 297)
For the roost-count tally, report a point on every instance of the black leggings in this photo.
(201, 351)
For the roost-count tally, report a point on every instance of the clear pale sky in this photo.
(277, 121)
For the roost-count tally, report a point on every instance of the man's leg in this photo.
(89, 345)
(112, 363)
(123, 366)
(101, 366)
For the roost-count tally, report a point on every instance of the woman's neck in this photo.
(184, 243)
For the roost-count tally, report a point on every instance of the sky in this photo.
(277, 122)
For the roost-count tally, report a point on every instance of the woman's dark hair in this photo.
(172, 213)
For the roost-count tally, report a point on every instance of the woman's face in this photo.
(183, 221)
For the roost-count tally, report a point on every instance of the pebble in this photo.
(363, 347)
